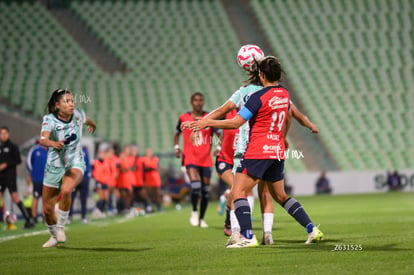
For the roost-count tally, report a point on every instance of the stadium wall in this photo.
(349, 182)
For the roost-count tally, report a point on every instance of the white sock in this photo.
(52, 230)
(223, 199)
(250, 199)
(235, 226)
(267, 222)
(62, 218)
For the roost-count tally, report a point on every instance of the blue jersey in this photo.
(36, 162)
(88, 170)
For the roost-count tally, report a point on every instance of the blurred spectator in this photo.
(36, 162)
(322, 185)
(82, 188)
(394, 181)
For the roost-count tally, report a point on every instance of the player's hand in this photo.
(314, 128)
(178, 153)
(3, 166)
(286, 143)
(59, 144)
(91, 127)
(185, 125)
(199, 124)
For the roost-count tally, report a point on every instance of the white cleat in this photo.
(60, 235)
(245, 243)
(234, 238)
(315, 236)
(267, 238)
(194, 218)
(203, 224)
(51, 242)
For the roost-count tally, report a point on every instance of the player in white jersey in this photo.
(61, 133)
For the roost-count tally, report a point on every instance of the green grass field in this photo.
(381, 224)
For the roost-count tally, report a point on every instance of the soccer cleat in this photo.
(60, 235)
(227, 230)
(51, 242)
(29, 224)
(245, 243)
(221, 207)
(267, 238)
(234, 238)
(85, 221)
(203, 224)
(194, 218)
(315, 236)
(10, 226)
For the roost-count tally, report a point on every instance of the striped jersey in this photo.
(239, 98)
(71, 132)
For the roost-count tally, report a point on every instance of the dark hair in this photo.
(5, 128)
(254, 76)
(271, 67)
(55, 97)
(196, 94)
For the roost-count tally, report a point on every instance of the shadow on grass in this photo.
(333, 246)
(105, 249)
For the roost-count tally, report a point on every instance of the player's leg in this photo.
(295, 209)
(195, 181)
(50, 196)
(242, 185)
(84, 191)
(12, 185)
(205, 194)
(266, 207)
(70, 180)
(227, 177)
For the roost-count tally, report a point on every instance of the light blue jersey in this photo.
(239, 98)
(71, 131)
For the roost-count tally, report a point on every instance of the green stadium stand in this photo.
(352, 67)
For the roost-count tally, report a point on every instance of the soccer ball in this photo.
(9, 217)
(247, 55)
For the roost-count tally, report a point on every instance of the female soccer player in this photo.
(152, 177)
(263, 160)
(62, 133)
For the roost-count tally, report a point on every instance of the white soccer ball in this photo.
(9, 217)
(247, 56)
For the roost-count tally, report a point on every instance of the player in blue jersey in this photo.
(61, 133)
(36, 162)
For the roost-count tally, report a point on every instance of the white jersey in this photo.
(70, 131)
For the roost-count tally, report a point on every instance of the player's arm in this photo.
(218, 113)
(303, 120)
(177, 140)
(46, 142)
(233, 123)
(219, 135)
(91, 125)
(287, 127)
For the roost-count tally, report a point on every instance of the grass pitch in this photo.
(364, 234)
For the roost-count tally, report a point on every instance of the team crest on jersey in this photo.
(78, 121)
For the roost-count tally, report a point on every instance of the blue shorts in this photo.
(37, 189)
(265, 169)
(222, 167)
(204, 172)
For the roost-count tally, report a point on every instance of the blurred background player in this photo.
(196, 158)
(82, 188)
(62, 133)
(140, 193)
(101, 174)
(113, 169)
(152, 177)
(125, 180)
(36, 163)
(9, 159)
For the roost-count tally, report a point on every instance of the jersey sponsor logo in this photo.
(6, 149)
(271, 148)
(278, 102)
(245, 98)
(70, 138)
(273, 137)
